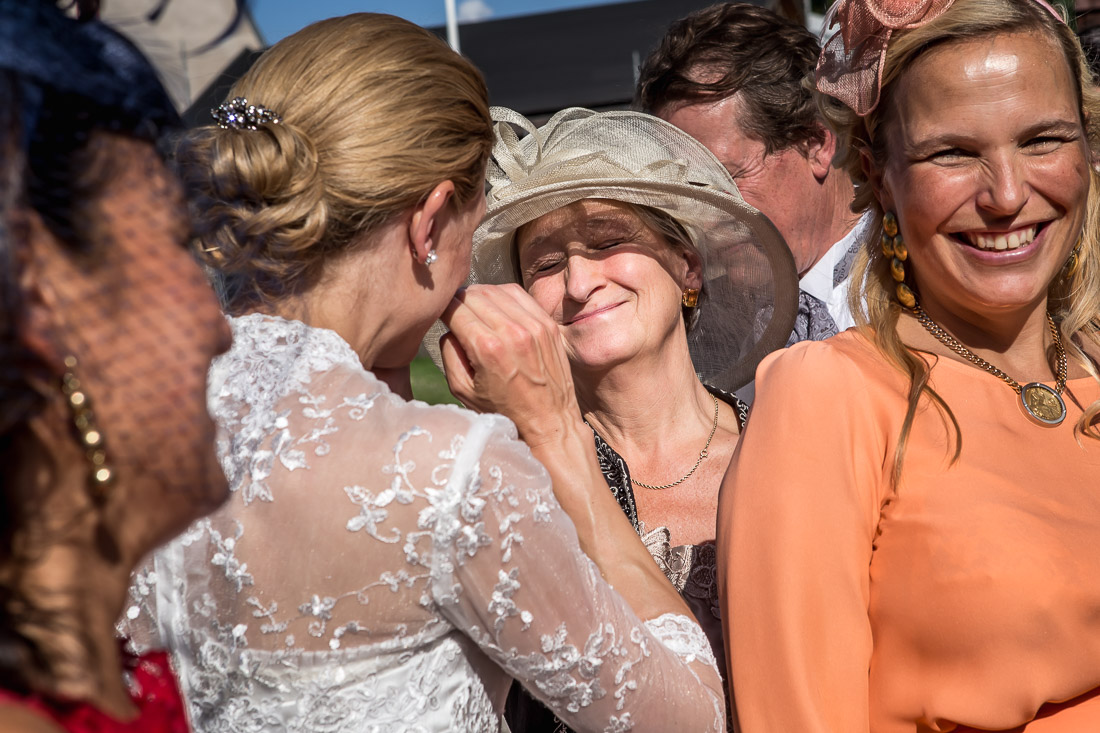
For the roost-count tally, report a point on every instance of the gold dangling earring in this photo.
(1073, 262)
(893, 247)
(90, 436)
(690, 298)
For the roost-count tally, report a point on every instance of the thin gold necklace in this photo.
(1041, 403)
(702, 454)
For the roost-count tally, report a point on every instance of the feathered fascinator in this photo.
(855, 36)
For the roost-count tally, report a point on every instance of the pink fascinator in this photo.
(850, 67)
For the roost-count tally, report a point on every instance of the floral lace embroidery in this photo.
(683, 636)
(374, 552)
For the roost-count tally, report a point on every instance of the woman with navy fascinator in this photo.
(108, 328)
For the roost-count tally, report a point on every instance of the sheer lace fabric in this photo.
(387, 565)
(693, 571)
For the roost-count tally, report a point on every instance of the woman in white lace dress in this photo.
(382, 564)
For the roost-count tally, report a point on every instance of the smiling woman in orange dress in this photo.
(925, 558)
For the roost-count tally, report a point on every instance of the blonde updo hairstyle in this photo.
(1074, 302)
(375, 112)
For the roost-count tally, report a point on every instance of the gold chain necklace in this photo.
(1041, 403)
(702, 454)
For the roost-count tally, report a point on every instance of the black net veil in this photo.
(89, 107)
(62, 81)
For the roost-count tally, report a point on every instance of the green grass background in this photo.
(429, 384)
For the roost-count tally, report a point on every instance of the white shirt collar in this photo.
(818, 282)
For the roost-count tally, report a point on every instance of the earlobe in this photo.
(427, 218)
(37, 329)
(35, 334)
(693, 275)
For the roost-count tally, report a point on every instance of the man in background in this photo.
(731, 76)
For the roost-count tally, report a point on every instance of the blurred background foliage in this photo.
(429, 384)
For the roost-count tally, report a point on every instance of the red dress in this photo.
(153, 689)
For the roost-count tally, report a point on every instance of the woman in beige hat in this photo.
(666, 289)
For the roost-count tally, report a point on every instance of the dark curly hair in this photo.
(737, 49)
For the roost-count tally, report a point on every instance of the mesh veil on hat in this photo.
(750, 283)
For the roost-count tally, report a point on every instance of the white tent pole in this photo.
(452, 25)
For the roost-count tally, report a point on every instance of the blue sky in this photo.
(279, 18)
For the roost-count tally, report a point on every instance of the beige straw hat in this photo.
(750, 283)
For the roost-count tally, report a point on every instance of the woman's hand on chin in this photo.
(505, 355)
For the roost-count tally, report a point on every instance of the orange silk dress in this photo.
(970, 596)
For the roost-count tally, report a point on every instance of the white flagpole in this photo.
(452, 25)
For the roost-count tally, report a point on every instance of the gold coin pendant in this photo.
(1042, 404)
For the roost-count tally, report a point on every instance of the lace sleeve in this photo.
(683, 636)
(508, 571)
(138, 624)
(385, 565)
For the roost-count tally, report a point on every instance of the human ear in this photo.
(693, 276)
(1094, 153)
(37, 327)
(428, 218)
(820, 152)
(876, 180)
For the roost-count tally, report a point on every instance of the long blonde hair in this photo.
(1074, 301)
(375, 112)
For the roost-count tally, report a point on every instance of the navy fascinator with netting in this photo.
(79, 68)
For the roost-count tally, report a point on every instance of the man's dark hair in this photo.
(739, 49)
